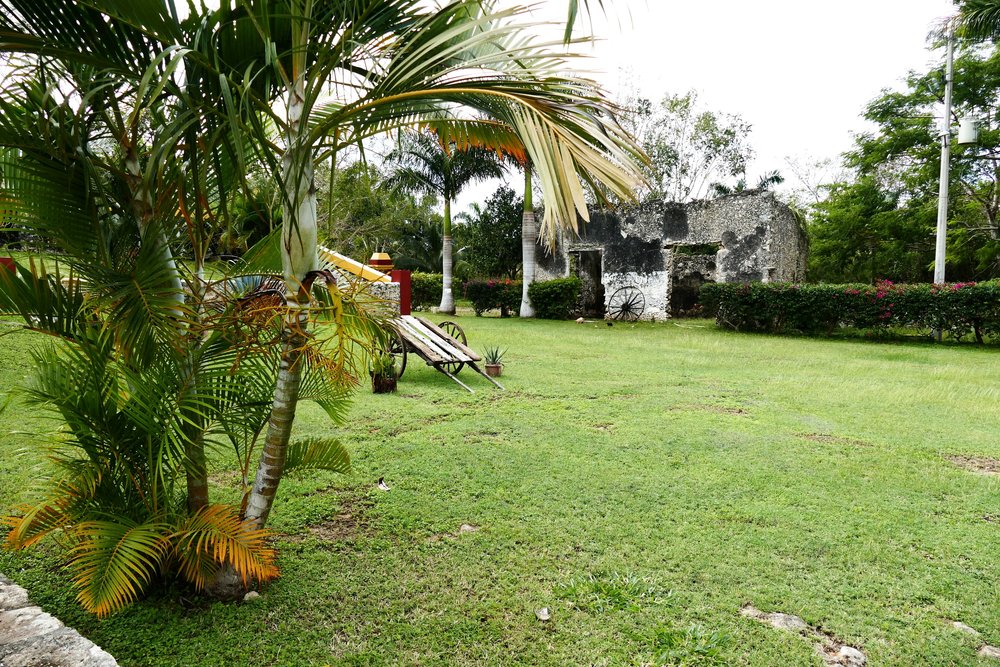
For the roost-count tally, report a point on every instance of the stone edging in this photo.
(30, 637)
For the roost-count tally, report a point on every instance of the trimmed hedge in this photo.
(425, 290)
(555, 299)
(502, 295)
(956, 308)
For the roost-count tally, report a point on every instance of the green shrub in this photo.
(425, 290)
(502, 295)
(555, 299)
(959, 309)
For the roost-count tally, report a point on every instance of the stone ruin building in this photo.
(655, 257)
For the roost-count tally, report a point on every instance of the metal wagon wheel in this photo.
(626, 304)
(397, 348)
(455, 332)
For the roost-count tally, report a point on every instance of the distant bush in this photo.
(555, 299)
(425, 290)
(959, 309)
(502, 295)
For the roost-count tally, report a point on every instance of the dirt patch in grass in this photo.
(827, 439)
(709, 407)
(604, 428)
(230, 479)
(983, 465)
(347, 525)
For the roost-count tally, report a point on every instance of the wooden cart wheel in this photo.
(455, 331)
(626, 304)
(397, 348)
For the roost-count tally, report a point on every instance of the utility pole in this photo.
(942, 217)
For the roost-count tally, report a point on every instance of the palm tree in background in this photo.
(764, 183)
(427, 165)
(979, 19)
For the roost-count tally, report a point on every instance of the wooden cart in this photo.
(443, 346)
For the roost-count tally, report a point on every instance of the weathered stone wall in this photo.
(745, 237)
(382, 298)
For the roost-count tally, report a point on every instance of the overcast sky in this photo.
(800, 71)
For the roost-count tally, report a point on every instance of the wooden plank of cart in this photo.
(443, 346)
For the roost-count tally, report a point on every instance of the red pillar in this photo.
(403, 278)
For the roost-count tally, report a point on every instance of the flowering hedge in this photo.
(957, 308)
(502, 295)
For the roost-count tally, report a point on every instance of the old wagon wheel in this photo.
(455, 332)
(397, 348)
(626, 304)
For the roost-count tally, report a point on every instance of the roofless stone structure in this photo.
(666, 251)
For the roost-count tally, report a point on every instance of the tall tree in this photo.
(529, 241)
(493, 234)
(429, 165)
(368, 214)
(141, 371)
(689, 147)
(897, 169)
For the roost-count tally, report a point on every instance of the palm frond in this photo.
(216, 537)
(979, 19)
(318, 454)
(45, 301)
(114, 562)
(34, 522)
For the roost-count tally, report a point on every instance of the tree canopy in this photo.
(689, 147)
(881, 223)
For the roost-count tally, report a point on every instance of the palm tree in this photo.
(529, 239)
(429, 166)
(390, 64)
(979, 19)
(117, 167)
(764, 183)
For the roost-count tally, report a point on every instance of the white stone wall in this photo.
(655, 288)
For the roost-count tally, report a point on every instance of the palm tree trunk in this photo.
(447, 297)
(279, 426)
(197, 473)
(529, 238)
(196, 466)
(298, 257)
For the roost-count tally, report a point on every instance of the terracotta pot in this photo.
(494, 370)
(382, 384)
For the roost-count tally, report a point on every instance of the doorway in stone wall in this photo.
(692, 266)
(586, 265)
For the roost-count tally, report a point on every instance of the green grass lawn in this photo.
(642, 482)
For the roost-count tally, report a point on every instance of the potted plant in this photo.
(383, 372)
(493, 356)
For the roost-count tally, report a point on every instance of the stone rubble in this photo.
(830, 649)
(988, 651)
(962, 627)
(29, 637)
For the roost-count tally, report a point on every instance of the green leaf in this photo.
(318, 454)
(115, 561)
